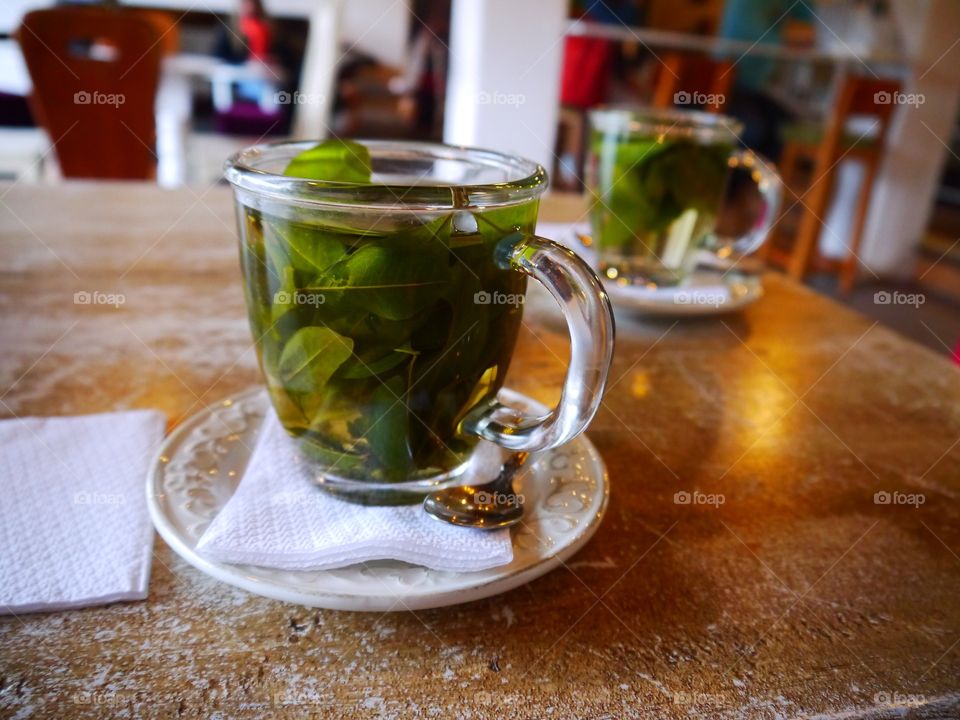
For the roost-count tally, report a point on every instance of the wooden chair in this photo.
(692, 75)
(823, 150)
(165, 22)
(95, 72)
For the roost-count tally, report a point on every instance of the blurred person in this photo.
(255, 29)
(761, 21)
(249, 35)
(588, 61)
(248, 40)
(588, 68)
(423, 82)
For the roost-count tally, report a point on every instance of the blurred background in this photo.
(855, 101)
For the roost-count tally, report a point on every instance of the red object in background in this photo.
(956, 353)
(256, 34)
(586, 65)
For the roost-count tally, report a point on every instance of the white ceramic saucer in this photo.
(710, 289)
(201, 463)
(706, 292)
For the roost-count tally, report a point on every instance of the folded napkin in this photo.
(278, 518)
(74, 527)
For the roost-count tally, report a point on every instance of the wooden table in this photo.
(798, 595)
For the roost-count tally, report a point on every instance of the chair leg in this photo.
(848, 275)
(815, 204)
(848, 271)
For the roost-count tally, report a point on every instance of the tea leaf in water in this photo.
(695, 175)
(285, 299)
(385, 426)
(358, 368)
(311, 356)
(387, 280)
(309, 249)
(653, 182)
(334, 161)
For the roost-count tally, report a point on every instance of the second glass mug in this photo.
(658, 179)
(385, 314)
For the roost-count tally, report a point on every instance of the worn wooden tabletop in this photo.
(800, 594)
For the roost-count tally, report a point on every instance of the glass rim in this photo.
(642, 120)
(530, 180)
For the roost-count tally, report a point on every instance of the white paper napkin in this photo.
(278, 518)
(74, 527)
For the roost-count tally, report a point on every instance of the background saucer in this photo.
(706, 292)
(711, 289)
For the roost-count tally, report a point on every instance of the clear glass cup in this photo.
(657, 179)
(385, 314)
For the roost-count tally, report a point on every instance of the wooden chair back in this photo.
(858, 96)
(863, 97)
(165, 23)
(692, 77)
(95, 72)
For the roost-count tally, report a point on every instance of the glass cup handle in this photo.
(589, 317)
(771, 188)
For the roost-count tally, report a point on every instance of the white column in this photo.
(917, 148)
(503, 88)
(311, 114)
(173, 113)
